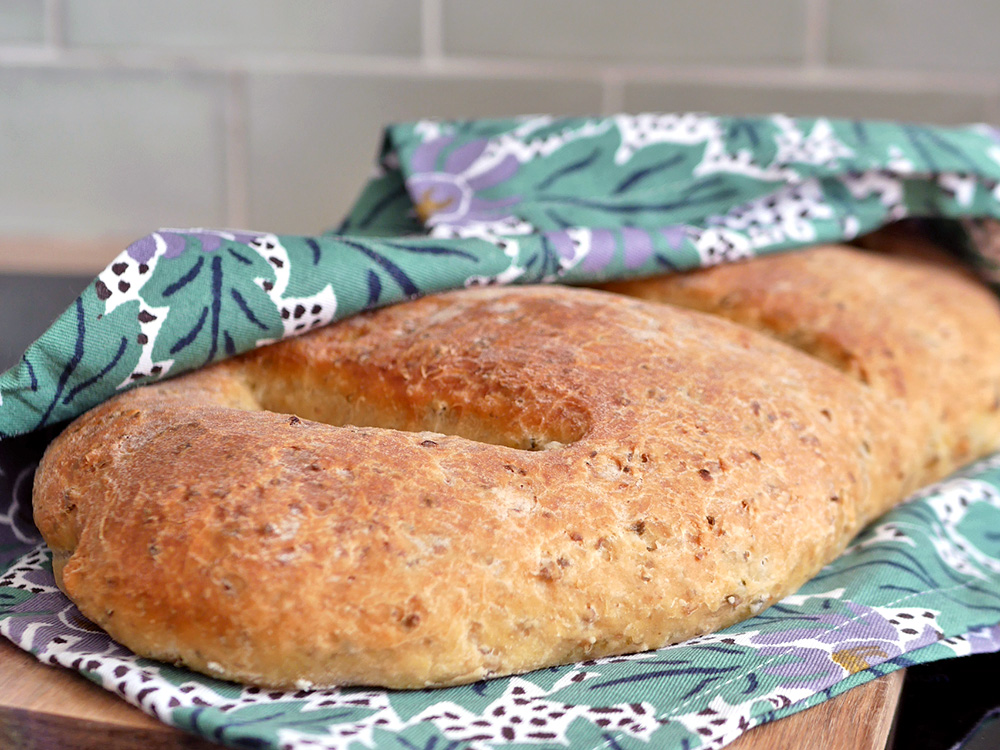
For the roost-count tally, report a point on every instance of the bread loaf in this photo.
(906, 320)
(491, 481)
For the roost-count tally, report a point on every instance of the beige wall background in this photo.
(118, 117)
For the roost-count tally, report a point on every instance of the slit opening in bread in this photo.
(340, 397)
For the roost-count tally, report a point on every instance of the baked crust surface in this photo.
(541, 475)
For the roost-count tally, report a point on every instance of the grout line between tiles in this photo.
(431, 31)
(816, 30)
(54, 14)
(496, 68)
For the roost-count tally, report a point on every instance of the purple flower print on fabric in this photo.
(46, 619)
(448, 194)
(175, 242)
(562, 243)
(598, 247)
(841, 644)
(638, 247)
(602, 250)
(675, 236)
(984, 641)
(143, 250)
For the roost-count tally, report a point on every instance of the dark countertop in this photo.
(28, 304)
(945, 705)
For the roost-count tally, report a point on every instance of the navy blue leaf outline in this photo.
(122, 346)
(642, 174)
(717, 672)
(381, 205)
(700, 687)
(479, 688)
(216, 306)
(766, 615)
(974, 588)
(558, 220)
(186, 279)
(70, 366)
(374, 288)
(218, 733)
(637, 207)
(645, 662)
(317, 252)
(245, 308)
(920, 574)
(238, 256)
(664, 261)
(836, 195)
(740, 125)
(951, 148)
(192, 334)
(569, 169)
(860, 131)
(708, 182)
(323, 719)
(434, 250)
(548, 258)
(31, 372)
(913, 135)
(398, 274)
(718, 648)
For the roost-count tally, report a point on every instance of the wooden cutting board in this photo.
(49, 708)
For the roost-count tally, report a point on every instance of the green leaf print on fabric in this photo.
(73, 366)
(225, 303)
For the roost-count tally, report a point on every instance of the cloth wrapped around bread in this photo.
(491, 481)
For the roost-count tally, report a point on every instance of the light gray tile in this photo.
(91, 153)
(931, 107)
(313, 139)
(22, 21)
(710, 31)
(910, 35)
(335, 26)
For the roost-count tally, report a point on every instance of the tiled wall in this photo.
(121, 116)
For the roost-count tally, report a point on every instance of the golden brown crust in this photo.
(906, 320)
(686, 473)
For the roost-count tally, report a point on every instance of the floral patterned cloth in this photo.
(538, 200)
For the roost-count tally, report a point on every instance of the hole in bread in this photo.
(524, 419)
(744, 308)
